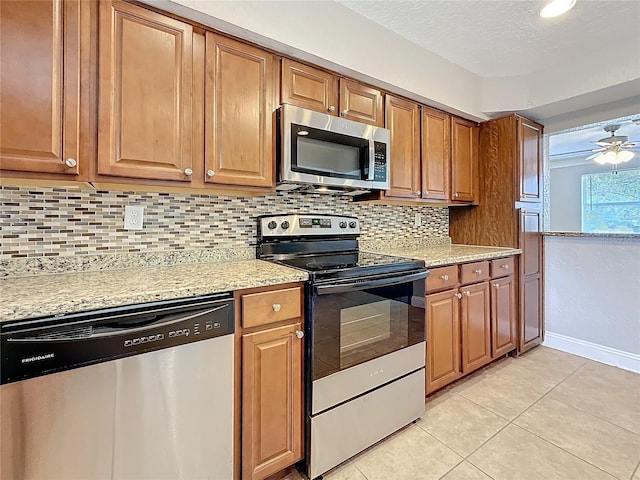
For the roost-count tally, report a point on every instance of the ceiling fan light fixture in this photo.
(555, 8)
(625, 156)
(613, 157)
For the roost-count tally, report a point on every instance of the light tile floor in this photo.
(544, 415)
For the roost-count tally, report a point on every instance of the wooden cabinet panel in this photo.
(240, 97)
(464, 158)
(145, 82)
(475, 326)
(272, 306)
(40, 86)
(309, 87)
(474, 272)
(530, 160)
(503, 316)
(403, 120)
(501, 267)
(531, 319)
(361, 103)
(271, 401)
(436, 154)
(442, 277)
(530, 242)
(443, 339)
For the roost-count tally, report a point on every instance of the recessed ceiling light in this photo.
(556, 7)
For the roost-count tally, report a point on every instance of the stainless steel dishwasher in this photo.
(136, 392)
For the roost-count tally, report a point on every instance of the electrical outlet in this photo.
(418, 220)
(133, 217)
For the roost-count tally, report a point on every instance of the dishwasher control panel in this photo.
(48, 345)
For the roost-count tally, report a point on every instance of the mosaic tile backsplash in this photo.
(57, 222)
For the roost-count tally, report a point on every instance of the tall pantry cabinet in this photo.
(509, 213)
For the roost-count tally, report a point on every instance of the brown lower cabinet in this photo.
(269, 373)
(471, 322)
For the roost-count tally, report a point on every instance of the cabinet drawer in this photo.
(269, 307)
(474, 272)
(441, 278)
(501, 267)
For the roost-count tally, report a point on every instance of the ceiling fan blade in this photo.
(602, 144)
(591, 157)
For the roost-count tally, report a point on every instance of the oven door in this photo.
(356, 321)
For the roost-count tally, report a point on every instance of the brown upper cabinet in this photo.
(436, 154)
(241, 88)
(315, 89)
(529, 155)
(464, 160)
(145, 82)
(40, 116)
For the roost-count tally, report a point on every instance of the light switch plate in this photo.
(133, 217)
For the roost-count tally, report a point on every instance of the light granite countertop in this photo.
(42, 295)
(439, 255)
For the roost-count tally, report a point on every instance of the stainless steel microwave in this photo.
(328, 151)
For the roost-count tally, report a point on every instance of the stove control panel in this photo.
(307, 225)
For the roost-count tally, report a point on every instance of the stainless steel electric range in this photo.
(365, 334)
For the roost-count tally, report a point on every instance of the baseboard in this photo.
(593, 351)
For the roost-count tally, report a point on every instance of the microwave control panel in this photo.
(380, 162)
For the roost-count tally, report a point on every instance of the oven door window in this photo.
(328, 154)
(353, 327)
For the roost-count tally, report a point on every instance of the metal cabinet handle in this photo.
(276, 307)
(299, 333)
(505, 266)
(444, 277)
(466, 293)
(332, 108)
(70, 162)
(426, 192)
(455, 195)
(418, 193)
(188, 172)
(210, 173)
(344, 112)
(478, 271)
(496, 285)
(458, 296)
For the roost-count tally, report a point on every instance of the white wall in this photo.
(592, 295)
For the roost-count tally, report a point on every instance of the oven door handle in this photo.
(364, 285)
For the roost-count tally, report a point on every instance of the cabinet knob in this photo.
(478, 271)
(418, 192)
(426, 192)
(496, 285)
(505, 266)
(188, 172)
(344, 112)
(444, 277)
(466, 293)
(332, 108)
(276, 307)
(455, 195)
(71, 162)
(458, 296)
(210, 173)
(299, 333)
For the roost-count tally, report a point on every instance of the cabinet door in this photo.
(530, 160)
(144, 124)
(403, 120)
(309, 87)
(436, 154)
(503, 316)
(464, 158)
(443, 339)
(531, 319)
(39, 79)
(476, 326)
(361, 103)
(240, 97)
(271, 401)
(530, 242)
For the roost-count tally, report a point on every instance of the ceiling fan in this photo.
(614, 149)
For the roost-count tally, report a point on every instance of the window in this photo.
(611, 202)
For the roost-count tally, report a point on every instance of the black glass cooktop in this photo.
(351, 264)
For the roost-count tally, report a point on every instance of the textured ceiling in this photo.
(504, 38)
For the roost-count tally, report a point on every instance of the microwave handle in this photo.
(372, 159)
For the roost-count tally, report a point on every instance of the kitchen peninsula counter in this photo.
(53, 294)
(439, 255)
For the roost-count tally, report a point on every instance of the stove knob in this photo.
(272, 225)
(342, 224)
(352, 224)
(284, 225)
